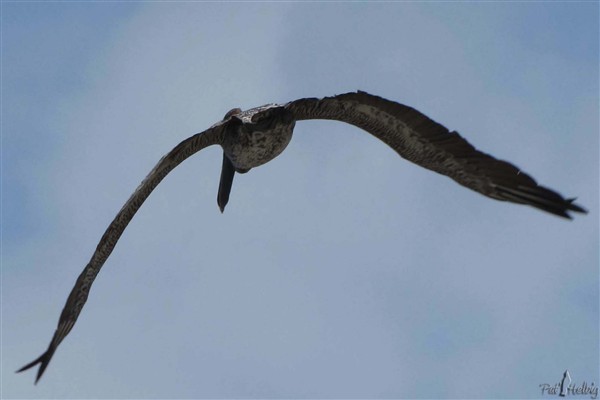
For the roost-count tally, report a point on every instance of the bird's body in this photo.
(254, 137)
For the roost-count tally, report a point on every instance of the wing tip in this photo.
(575, 207)
(43, 360)
(568, 206)
(542, 198)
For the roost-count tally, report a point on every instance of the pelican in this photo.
(254, 137)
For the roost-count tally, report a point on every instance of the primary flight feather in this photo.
(253, 137)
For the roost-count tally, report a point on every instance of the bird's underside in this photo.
(253, 137)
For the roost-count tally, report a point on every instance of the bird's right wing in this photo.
(80, 291)
(423, 141)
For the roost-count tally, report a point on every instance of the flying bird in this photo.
(253, 137)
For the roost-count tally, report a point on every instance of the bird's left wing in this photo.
(423, 141)
(80, 291)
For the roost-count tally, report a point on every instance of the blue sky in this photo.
(338, 269)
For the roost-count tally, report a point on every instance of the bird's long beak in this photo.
(227, 173)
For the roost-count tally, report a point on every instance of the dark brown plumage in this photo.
(253, 137)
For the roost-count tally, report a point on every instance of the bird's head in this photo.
(266, 118)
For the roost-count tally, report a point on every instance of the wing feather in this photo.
(423, 141)
(80, 291)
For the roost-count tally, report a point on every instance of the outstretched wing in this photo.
(80, 291)
(426, 143)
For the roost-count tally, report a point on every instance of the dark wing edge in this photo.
(80, 291)
(423, 141)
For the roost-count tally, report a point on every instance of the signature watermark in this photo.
(566, 387)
